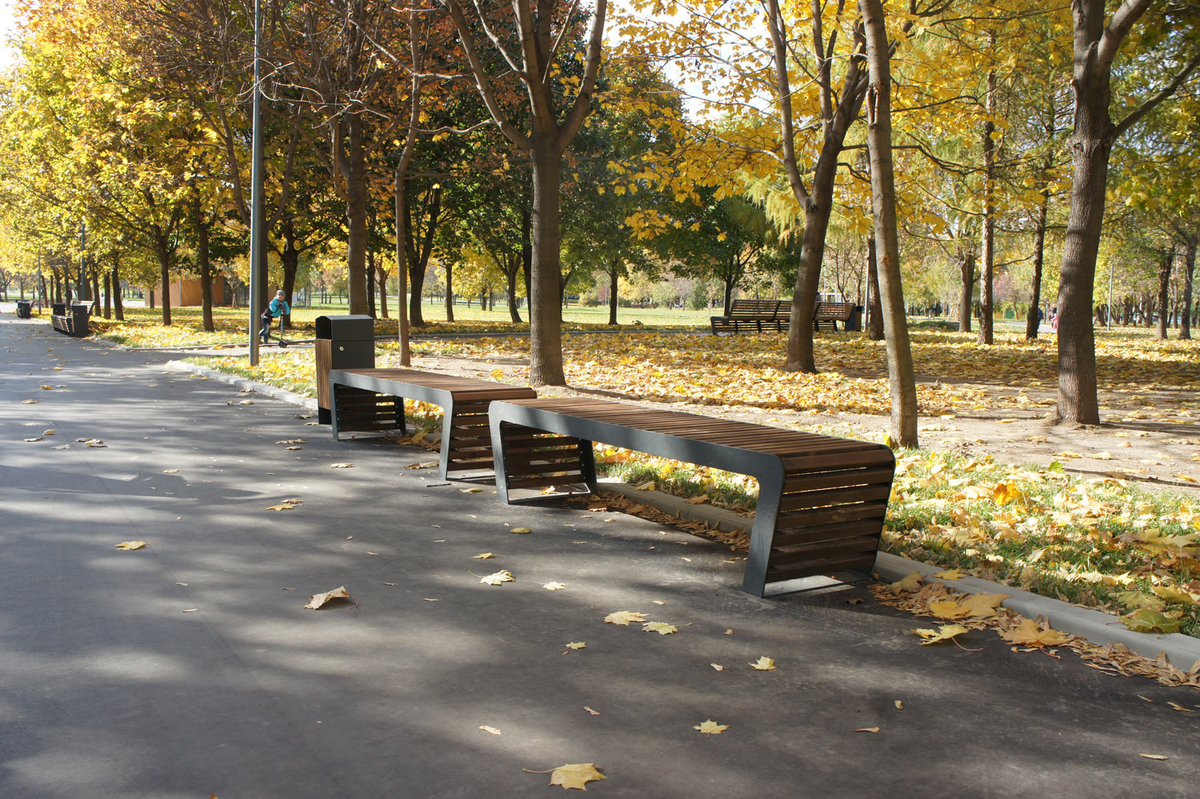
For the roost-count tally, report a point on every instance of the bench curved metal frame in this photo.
(821, 503)
(378, 405)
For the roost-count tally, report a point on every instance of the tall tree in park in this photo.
(901, 381)
(1098, 39)
(542, 66)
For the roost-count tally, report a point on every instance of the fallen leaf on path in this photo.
(318, 600)
(131, 545)
(62, 446)
(1152, 757)
(710, 727)
(945, 632)
(520, 530)
(660, 627)
(170, 471)
(1180, 707)
(483, 556)
(909, 584)
(292, 449)
(950, 574)
(622, 618)
(287, 504)
(764, 663)
(30, 402)
(502, 576)
(189, 610)
(94, 442)
(899, 705)
(31, 440)
(246, 402)
(554, 586)
(1030, 633)
(590, 711)
(341, 465)
(577, 645)
(48, 432)
(474, 490)
(867, 729)
(573, 775)
(492, 730)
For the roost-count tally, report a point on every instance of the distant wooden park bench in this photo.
(753, 316)
(821, 502)
(372, 400)
(849, 314)
(70, 319)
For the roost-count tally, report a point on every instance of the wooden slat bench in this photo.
(753, 316)
(821, 502)
(372, 400)
(849, 314)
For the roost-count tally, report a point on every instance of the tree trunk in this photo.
(118, 306)
(512, 266)
(545, 325)
(875, 323)
(613, 280)
(988, 247)
(901, 380)
(1164, 290)
(383, 304)
(449, 291)
(730, 281)
(204, 265)
(289, 258)
(1035, 289)
(1189, 266)
(164, 271)
(401, 211)
(800, 354)
(356, 217)
(95, 275)
(107, 295)
(966, 268)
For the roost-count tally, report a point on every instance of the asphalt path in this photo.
(191, 667)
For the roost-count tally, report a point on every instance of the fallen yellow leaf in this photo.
(946, 632)
(1030, 633)
(341, 465)
(577, 645)
(867, 729)
(287, 504)
(554, 586)
(950, 574)
(130, 545)
(622, 618)
(502, 576)
(660, 627)
(492, 730)
(764, 663)
(590, 711)
(573, 775)
(317, 600)
(483, 556)
(520, 530)
(710, 727)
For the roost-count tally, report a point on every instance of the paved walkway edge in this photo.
(1095, 626)
(241, 382)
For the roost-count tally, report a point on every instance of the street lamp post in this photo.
(257, 300)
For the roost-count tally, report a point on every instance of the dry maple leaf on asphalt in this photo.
(502, 576)
(764, 663)
(316, 601)
(572, 775)
(710, 727)
(1030, 633)
(944, 633)
(624, 617)
(287, 504)
(131, 545)
(554, 586)
(577, 645)
(660, 627)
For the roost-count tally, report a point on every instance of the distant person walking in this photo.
(276, 309)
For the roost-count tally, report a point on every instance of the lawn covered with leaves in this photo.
(744, 370)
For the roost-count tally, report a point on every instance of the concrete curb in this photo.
(1095, 626)
(241, 382)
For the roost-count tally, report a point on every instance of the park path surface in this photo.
(110, 687)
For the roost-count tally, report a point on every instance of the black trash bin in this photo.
(58, 308)
(24, 309)
(79, 319)
(343, 342)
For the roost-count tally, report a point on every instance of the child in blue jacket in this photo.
(277, 308)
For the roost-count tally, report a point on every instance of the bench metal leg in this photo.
(762, 533)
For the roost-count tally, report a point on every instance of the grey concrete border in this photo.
(308, 403)
(1095, 626)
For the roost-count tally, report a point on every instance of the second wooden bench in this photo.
(821, 500)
